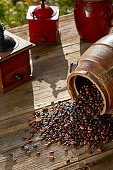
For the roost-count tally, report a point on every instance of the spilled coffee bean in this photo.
(78, 123)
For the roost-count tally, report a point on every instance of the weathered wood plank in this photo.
(14, 129)
(78, 158)
(50, 67)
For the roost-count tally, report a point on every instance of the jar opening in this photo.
(78, 84)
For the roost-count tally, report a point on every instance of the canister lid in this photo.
(43, 11)
(94, 0)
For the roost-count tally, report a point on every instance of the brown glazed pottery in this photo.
(96, 64)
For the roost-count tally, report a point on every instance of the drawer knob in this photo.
(19, 77)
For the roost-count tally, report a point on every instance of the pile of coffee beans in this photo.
(75, 124)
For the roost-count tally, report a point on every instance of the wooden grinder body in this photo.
(15, 65)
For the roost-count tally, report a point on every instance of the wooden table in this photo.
(50, 67)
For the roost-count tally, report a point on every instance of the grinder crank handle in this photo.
(43, 3)
(2, 29)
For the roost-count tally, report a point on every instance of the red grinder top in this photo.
(46, 12)
(43, 11)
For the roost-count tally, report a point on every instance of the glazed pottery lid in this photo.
(43, 11)
(94, 0)
(7, 43)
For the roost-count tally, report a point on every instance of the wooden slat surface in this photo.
(50, 67)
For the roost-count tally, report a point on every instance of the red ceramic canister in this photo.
(93, 18)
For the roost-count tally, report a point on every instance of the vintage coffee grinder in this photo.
(93, 18)
(14, 60)
(43, 23)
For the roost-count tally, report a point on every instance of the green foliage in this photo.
(13, 12)
(16, 15)
(3, 8)
(13, 15)
(66, 6)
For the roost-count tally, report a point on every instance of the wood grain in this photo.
(50, 67)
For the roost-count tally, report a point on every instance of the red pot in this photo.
(93, 18)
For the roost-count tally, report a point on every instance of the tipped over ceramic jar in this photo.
(96, 65)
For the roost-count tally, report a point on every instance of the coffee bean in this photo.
(68, 161)
(38, 154)
(26, 148)
(66, 150)
(28, 152)
(11, 154)
(34, 146)
(99, 150)
(51, 152)
(33, 115)
(30, 141)
(51, 158)
(46, 145)
(96, 137)
(14, 160)
(52, 103)
(22, 147)
(81, 127)
(59, 143)
(75, 124)
(31, 134)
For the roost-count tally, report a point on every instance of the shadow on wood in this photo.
(84, 46)
(105, 163)
(51, 67)
(16, 101)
